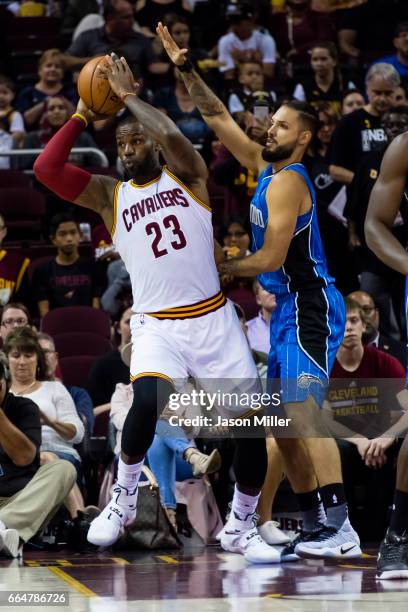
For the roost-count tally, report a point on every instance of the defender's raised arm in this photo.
(214, 113)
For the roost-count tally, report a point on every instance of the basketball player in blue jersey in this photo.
(308, 325)
(389, 191)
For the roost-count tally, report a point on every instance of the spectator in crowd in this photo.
(374, 335)
(13, 315)
(366, 31)
(29, 494)
(119, 290)
(109, 370)
(11, 121)
(331, 200)
(75, 10)
(81, 397)
(56, 111)
(401, 94)
(237, 239)
(258, 329)
(176, 102)
(365, 414)
(150, 12)
(178, 26)
(61, 426)
(296, 30)
(117, 35)
(378, 279)
(244, 42)
(30, 100)
(325, 84)
(68, 279)
(352, 100)
(13, 271)
(399, 59)
(251, 91)
(361, 131)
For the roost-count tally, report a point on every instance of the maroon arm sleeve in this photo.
(51, 166)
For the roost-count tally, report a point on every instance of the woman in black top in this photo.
(326, 82)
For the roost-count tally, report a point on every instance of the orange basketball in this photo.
(94, 89)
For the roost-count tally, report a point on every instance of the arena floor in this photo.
(202, 578)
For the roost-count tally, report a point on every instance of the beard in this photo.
(142, 168)
(280, 153)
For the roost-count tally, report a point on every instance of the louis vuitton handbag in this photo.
(151, 529)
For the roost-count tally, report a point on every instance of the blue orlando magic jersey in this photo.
(305, 266)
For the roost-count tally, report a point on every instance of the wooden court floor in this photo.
(199, 580)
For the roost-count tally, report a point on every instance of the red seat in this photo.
(32, 26)
(246, 299)
(14, 178)
(76, 319)
(75, 370)
(23, 209)
(72, 344)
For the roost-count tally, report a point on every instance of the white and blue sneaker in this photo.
(331, 543)
(242, 537)
(106, 529)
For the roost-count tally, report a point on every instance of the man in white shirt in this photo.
(244, 42)
(259, 327)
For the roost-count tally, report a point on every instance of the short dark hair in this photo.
(349, 91)
(17, 306)
(306, 112)
(7, 82)
(401, 27)
(25, 339)
(401, 109)
(57, 220)
(170, 20)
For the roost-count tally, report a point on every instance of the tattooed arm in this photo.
(214, 113)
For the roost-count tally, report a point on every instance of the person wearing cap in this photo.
(244, 42)
(399, 59)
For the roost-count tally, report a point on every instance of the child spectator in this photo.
(68, 279)
(251, 79)
(11, 121)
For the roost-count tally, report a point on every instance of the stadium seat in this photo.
(75, 369)
(77, 319)
(24, 210)
(246, 299)
(81, 343)
(13, 178)
(32, 27)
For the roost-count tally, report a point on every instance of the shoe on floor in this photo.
(106, 528)
(272, 534)
(10, 543)
(242, 537)
(392, 561)
(204, 464)
(288, 552)
(331, 543)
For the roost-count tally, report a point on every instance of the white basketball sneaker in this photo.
(242, 537)
(10, 543)
(332, 543)
(121, 511)
(272, 534)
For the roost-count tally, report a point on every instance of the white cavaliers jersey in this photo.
(164, 236)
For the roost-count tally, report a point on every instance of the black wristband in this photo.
(187, 66)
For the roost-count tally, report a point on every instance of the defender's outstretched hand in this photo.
(177, 55)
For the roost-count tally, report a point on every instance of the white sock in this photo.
(129, 475)
(243, 505)
(2, 526)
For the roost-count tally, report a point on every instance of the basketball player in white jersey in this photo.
(160, 222)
